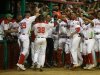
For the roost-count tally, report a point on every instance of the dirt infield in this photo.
(50, 71)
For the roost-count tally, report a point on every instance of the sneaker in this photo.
(98, 66)
(86, 67)
(18, 68)
(41, 69)
(48, 65)
(32, 67)
(21, 67)
(55, 64)
(76, 65)
(83, 65)
(91, 66)
(35, 66)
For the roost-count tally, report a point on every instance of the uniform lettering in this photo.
(41, 29)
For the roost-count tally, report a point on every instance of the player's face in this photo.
(27, 15)
(63, 17)
(48, 17)
(19, 17)
(73, 16)
(9, 18)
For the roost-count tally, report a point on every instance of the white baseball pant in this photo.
(74, 48)
(40, 50)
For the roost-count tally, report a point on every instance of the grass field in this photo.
(50, 71)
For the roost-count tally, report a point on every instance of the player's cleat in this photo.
(21, 67)
(83, 65)
(41, 69)
(35, 66)
(86, 67)
(76, 65)
(18, 69)
(47, 65)
(32, 67)
(91, 66)
(98, 67)
(69, 66)
(55, 64)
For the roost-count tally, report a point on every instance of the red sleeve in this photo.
(1, 20)
(6, 21)
(32, 36)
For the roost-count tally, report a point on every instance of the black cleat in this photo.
(35, 66)
(41, 69)
(47, 65)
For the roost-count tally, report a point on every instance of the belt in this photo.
(63, 36)
(68, 37)
(97, 33)
(88, 38)
(40, 37)
(23, 34)
(79, 35)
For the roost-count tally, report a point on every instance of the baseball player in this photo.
(32, 47)
(41, 33)
(56, 44)
(62, 39)
(89, 41)
(24, 32)
(67, 49)
(96, 22)
(7, 25)
(50, 43)
(75, 39)
(14, 26)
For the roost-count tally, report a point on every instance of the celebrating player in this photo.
(24, 32)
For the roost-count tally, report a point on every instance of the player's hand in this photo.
(37, 9)
(71, 36)
(37, 14)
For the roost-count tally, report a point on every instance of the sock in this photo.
(67, 59)
(90, 57)
(59, 57)
(54, 56)
(84, 59)
(98, 57)
(21, 59)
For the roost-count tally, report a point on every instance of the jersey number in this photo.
(41, 29)
(23, 25)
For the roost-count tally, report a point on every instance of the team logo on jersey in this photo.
(23, 25)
